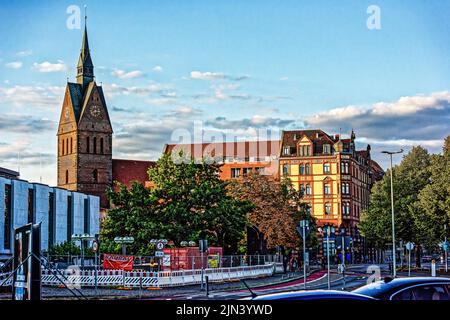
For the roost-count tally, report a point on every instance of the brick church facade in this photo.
(85, 131)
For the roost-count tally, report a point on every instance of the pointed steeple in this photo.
(85, 67)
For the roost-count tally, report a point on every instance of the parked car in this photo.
(420, 288)
(313, 295)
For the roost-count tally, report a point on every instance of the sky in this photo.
(236, 68)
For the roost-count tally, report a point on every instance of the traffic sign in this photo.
(159, 253)
(409, 246)
(95, 246)
(160, 245)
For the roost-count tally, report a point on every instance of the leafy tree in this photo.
(278, 208)
(410, 177)
(64, 248)
(434, 198)
(188, 202)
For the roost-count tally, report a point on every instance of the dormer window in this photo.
(286, 151)
(326, 149)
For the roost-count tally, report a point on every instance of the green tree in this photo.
(434, 198)
(410, 177)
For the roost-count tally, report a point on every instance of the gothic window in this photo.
(95, 144)
(95, 175)
(101, 145)
(67, 146)
(71, 145)
(63, 146)
(87, 145)
(67, 176)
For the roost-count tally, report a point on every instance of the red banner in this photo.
(117, 261)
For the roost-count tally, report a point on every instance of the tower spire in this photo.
(85, 67)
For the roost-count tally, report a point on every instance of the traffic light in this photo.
(203, 245)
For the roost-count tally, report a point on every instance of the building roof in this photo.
(127, 171)
(8, 173)
(318, 137)
(241, 149)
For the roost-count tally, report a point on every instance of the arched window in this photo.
(327, 208)
(307, 169)
(95, 145)
(302, 169)
(63, 146)
(67, 176)
(67, 146)
(101, 145)
(326, 188)
(95, 175)
(88, 147)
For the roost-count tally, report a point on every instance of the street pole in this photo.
(304, 255)
(394, 267)
(201, 282)
(445, 248)
(394, 262)
(328, 257)
(343, 260)
(409, 263)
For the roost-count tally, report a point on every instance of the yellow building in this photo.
(334, 177)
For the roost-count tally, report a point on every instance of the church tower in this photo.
(85, 133)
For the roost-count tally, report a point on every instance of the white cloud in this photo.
(157, 69)
(14, 65)
(114, 89)
(24, 53)
(284, 78)
(47, 67)
(39, 96)
(198, 75)
(121, 74)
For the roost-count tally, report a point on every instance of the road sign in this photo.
(159, 253)
(160, 245)
(409, 246)
(95, 246)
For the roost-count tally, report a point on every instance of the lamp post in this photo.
(394, 266)
(124, 241)
(82, 237)
(302, 229)
(329, 230)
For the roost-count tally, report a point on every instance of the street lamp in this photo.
(124, 241)
(303, 228)
(82, 237)
(394, 267)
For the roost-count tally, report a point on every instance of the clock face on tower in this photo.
(96, 111)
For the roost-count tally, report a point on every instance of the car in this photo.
(414, 288)
(312, 295)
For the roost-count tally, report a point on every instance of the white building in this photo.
(60, 212)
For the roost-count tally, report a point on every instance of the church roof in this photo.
(76, 95)
(85, 54)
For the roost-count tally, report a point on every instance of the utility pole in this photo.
(445, 248)
(328, 256)
(394, 264)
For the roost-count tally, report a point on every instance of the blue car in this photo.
(314, 295)
(414, 288)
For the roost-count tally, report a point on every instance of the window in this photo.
(306, 151)
(63, 147)
(307, 169)
(344, 167)
(247, 171)
(235, 172)
(345, 188)
(67, 176)
(51, 218)
(327, 208)
(86, 216)
(260, 170)
(302, 189)
(7, 218)
(95, 175)
(308, 189)
(326, 149)
(69, 218)
(71, 145)
(326, 168)
(346, 208)
(424, 292)
(285, 169)
(286, 151)
(101, 146)
(95, 144)
(302, 169)
(67, 146)
(88, 147)
(326, 188)
(30, 205)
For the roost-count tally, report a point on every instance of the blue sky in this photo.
(234, 65)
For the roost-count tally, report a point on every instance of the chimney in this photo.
(337, 137)
(317, 135)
